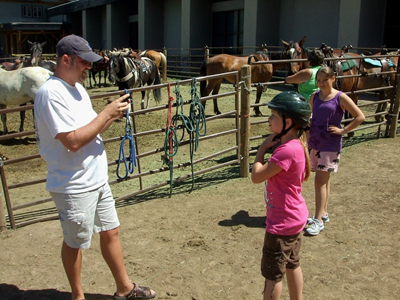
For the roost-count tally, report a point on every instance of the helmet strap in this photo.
(284, 129)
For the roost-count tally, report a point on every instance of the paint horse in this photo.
(260, 73)
(131, 73)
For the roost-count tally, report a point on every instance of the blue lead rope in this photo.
(130, 161)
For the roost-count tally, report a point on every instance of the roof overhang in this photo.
(30, 26)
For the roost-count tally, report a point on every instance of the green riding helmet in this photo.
(292, 105)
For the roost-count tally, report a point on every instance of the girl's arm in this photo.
(311, 101)
(264, 170)
(300, 77)
(347, 103)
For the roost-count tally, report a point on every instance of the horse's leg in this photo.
(22, 117)
(142, 102)
(148, 98)
(4, 119)
(215, 100)
(257, 108)
(99, 79)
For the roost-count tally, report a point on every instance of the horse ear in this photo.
(44, 43)
(30, 43)
(286, 44)
(301, 43)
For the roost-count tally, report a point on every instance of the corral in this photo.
(206, 243)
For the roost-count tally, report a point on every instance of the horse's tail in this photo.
(163, 61)
(203, 72)
(157, 80)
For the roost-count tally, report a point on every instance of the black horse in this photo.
(132, 73)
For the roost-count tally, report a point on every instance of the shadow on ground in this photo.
(12, 292)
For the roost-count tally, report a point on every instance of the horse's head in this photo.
(295, 51)
(36, 50)
(114, 68)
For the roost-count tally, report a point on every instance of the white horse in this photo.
(19, 87)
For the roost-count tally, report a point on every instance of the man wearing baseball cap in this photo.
(74, 44)
(68, 136)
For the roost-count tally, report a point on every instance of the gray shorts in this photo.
(83, 214)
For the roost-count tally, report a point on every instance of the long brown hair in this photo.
(301, 133)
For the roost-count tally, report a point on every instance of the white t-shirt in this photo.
(60, 107)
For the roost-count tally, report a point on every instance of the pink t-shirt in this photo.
(286, 208)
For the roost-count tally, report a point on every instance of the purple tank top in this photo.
(325, 113)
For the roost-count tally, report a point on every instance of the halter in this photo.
(130, 161)
(131, 73)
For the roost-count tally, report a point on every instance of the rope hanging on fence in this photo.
(195, 125)
(171, 142)
(130, 161)
(197, 114)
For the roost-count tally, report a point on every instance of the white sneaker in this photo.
(325, 219)
(315, 227)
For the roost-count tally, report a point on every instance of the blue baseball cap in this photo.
(74, 44)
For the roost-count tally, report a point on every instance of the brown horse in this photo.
(260, 73)
(158, 57)
(98, 67)
(362, 65)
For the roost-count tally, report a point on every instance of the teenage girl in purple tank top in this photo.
(328, 106)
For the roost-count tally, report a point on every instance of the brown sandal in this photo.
(138, 292)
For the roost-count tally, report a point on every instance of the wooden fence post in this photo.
(2, 210)
(394, 114)
(206, 53)
(245, 120)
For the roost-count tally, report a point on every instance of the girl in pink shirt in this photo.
(283, 175)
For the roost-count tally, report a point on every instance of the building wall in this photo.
(200, 23)
(372, 23)
(12, 12)
(172, 24)
(188, 23)
(268, 23)
(317, 20)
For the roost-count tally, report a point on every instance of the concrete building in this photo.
(21, 21)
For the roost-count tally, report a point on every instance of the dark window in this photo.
(37, 12)
(26, 11)
(32, 11)
(228, 32)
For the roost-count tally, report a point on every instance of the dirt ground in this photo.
(206, 244)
